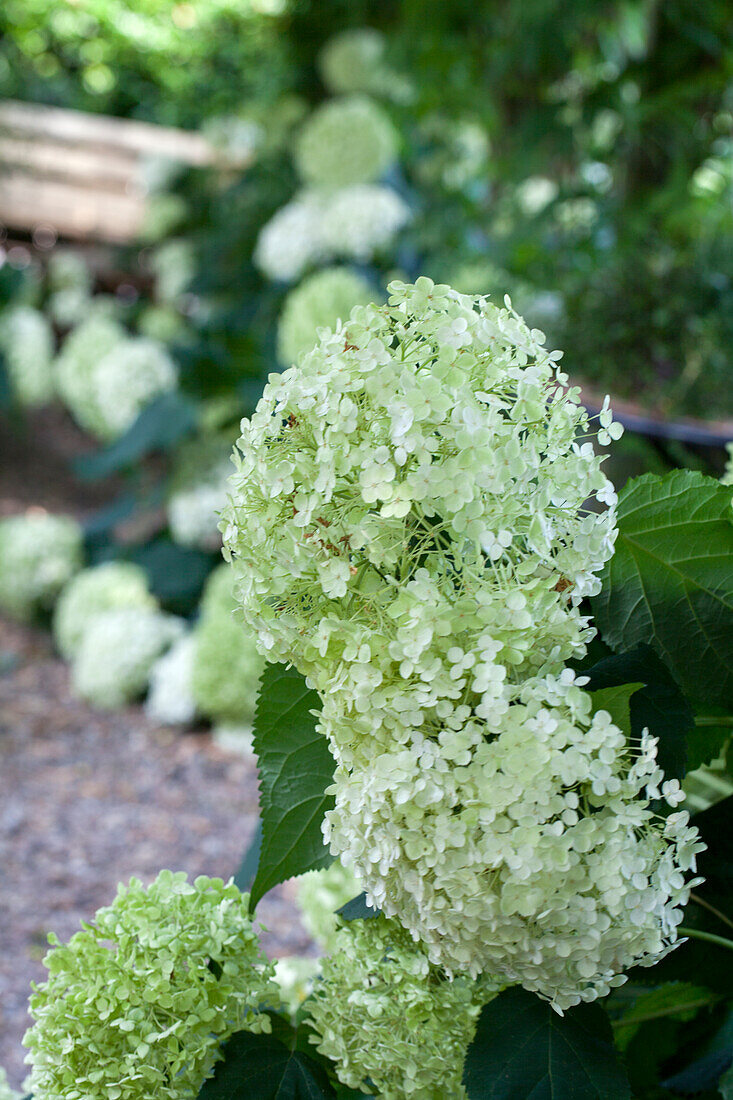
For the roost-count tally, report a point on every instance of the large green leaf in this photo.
(670, 581)
(658, 705)
(160, 425)
(296, 767)
(523, 1050)
(280, 1066)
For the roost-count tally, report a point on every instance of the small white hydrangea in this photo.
(199, 493)
(293, 239)
(226, 664)
(138, 1003)
(118, 649)
(26, 340)
(727, 478)
(320, 894)
(352, 223)
(389, 1020)
(522, 845)
(345, 141)
(295, 976)
(77, 361)
(318, 302)
(39, 554)
(6, 1093)
(352, 61)
(170, 699)
(106, 587)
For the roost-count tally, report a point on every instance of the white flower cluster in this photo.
(320, 894)
(354, 61)
(107, 587)
(27, 343)
(117, 652)
(106, 377)
(391, 1023)
(198, 493)
(414, 523)
(39, 553)
(6, 1093)
(174, 266)
(345, 141)
(170, 698)
(315, 226)
(226, 664)
(318, 302)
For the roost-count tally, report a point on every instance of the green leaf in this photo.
(617, 701)
(680, 1000)
(670, 581)
(245, 876)
(268, 1067)
(295, 767)
(725, 1085)
(176, 574)
(658, 705)
(162, 423)
(523, 1050)
(357, 909)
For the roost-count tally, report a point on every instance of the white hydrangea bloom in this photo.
(727, 478)
(27, 342)
(292, 240)
(318, 302)
(521, 845)
(106, 587)
(170, 699)
(77, 361)
(127, 379)
(320, 894)
(416, 485)
(345, 141)
(174, 266)
(295, 976)
(391, 1023)
(39, 553)
(362, 220)
(70, 283)
(352, 61)
(6, 1093)
(199, 493)
(118, 650)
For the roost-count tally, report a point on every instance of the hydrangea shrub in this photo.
(39, 554)
(106, 587)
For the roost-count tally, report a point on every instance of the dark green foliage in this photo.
(296, 767)
(357, 909)
(160, 425)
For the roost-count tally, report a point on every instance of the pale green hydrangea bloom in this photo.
(106, 587)
(352, 223)
(27, 342)
(295, 976)
(226, 665)
(522, 845)
(106, 377)
(170, 699)
(70, 283)
(320, 894)
(318, 302)
(6, 1093)
(345, 141)
(388, 1019)
(39, 554)
(117, 652)
(727, 478)
(353, 61)
(199, 492)
(174, 266)
(138, 1002)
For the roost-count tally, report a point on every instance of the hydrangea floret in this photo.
(417, 513)
(388, 1019)
(106, 587)
(118, 649)
(139, 1001)
(226, 664)
(39, 554)
(26, 340)
(345, 141)
(170, 698)
(320, 301)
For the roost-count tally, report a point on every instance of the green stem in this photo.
(714, 720)
(709, 937)
(711, 909)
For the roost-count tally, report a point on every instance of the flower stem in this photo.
(714, 720)
(709, 937)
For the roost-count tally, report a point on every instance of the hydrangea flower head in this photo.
(198, 493)
(77, 362)
(117, 652)
(226, 664)
(345, 141)
(320, 894)
(352, 61)
(70, 283)
(106, 587)
(318, 302)
(170, 699)
(27, 342)
(6, 1093)
(292, 240)
(139, 1001)
(39, 554)
(388, 1019)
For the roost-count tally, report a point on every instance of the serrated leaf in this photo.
(295, 767)
(268, 1067)
(617, 702)
(523, 1050)
(658, 705)
(670, 581)
(679, 1000)
(163, 422)
(357, 909)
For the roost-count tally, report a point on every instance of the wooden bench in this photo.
(82, 176)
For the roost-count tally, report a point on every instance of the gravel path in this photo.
(88, 799)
